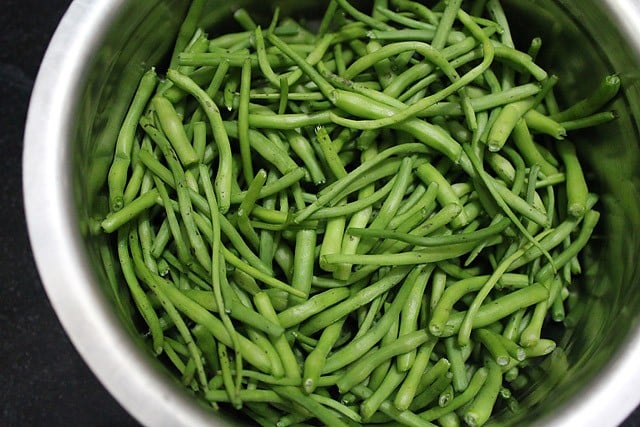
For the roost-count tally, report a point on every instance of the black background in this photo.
(43, 381)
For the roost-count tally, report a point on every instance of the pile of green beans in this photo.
(372, 222)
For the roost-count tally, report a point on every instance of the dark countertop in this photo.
(43, 381)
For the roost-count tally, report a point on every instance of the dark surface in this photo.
(43, 381)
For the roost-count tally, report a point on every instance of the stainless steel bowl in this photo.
(100, 49)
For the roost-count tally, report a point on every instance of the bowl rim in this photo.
(73, 290)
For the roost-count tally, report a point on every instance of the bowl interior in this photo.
(581, 43)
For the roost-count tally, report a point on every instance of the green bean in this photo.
(269, 94)
(238, 244)
(362, 297)
(259, 275)
(422, 34)
(497, 196)
(332, 241)
(530, 335)
(438, 284)
(559, 234)
(289, 362)
(477, 235)
(219, 280)
(446, 21)
(187, 29)
(445, 396)
(331, 191)
(384, 68)
(356, 206)
(576, 186)
(418, 9)
(540, 123)
(274, 187)
(177, 232)
(314, 363)
(499, 308)
(523, 140)
(467, 324)
(245, 396)
(475, 385)
(174, 130)
(356, 14)
(351, 102)
(291, 121)
(441, 61)
(407, 418)
(445, 194)
(421, 256)
(360, 345)
(134, 184)
(303, 261)
(409, 387)
(371, 404)
(557, 309)
(198, 43)
(316, 304)
(403, 19)
(350, 244)
(363, 367)
(117, 177)
(410, 312)
(243, 18)
(409, 210)
(391, 204)
(167, 303)
(263, 146)
(327, 17)
(454, 292)
(379, 374)
(184, 200)
(115, 220)
(263, 60)
(460, 379)
(509, 116)
(541, 348)
(386, 169)
(301, 146)
(139, 297)
(494, 345)
(247, 205)
(521, 206)
(338, 407)
(479, 410)
(323, 414)
(596, 119)
(391, 117)
(230, 387)
(243, 121)
(432, 389)
(449, 420)
(223, 178)
(485, 102)
(146, 241)
(604, 93)
(366, 318)
(157, 168)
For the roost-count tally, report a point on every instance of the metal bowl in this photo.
(100, 50)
